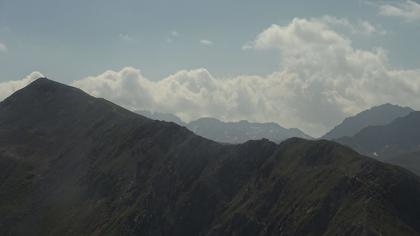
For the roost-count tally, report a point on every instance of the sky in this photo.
(304, 64)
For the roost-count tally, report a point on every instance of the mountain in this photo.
(379, 115)
(395, 142)
(386, 141)
(242, 131)
(230, 132)
(72, 164)
(161, 116)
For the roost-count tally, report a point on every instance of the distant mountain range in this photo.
(379, 115)
(231, 132)
(72, 164)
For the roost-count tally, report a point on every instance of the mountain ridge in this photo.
(74, 164)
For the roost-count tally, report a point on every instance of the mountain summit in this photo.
(72, 164)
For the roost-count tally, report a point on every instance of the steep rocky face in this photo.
(379, 115)
(71, 164)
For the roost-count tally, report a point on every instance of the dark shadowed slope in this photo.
(379, 115)
(71, 164)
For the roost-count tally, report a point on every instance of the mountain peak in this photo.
(390, 106)
(43, 89)
(53, 102)
(45, 84)
(43, 80)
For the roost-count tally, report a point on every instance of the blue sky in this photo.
(70, 41)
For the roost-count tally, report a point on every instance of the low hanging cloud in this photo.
(408, 10)
(322, 79)
(9, 87)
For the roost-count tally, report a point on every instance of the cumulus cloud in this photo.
(206, 42)
(408, 10)
(3, 47)
(9, 87)
(322, 79)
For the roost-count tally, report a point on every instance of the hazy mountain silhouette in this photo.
(230, 132)
(72, 164)
(379, 115)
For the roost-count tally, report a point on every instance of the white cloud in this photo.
(9, 87)
(206, 42)
(3, 47)
(322, 79)
(408, 10)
